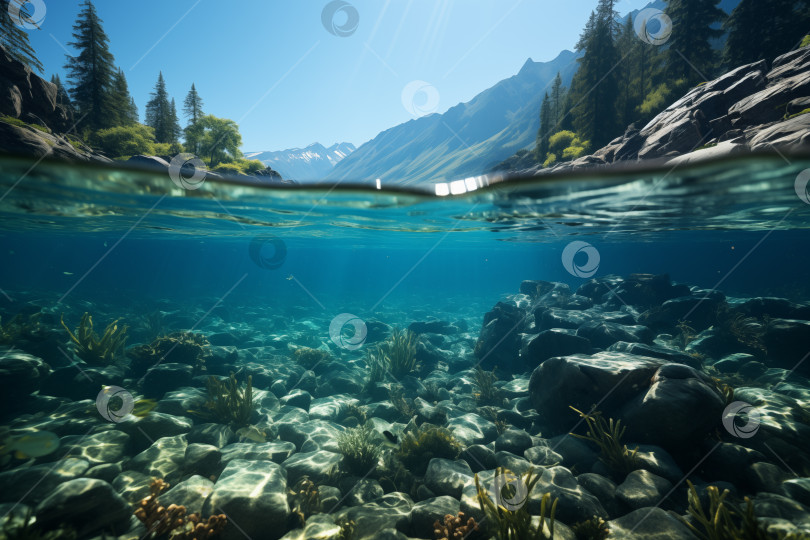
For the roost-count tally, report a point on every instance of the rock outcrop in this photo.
(751, 108)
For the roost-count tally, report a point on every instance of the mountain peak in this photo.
(528, 64)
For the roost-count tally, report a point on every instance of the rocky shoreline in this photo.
(666, 360)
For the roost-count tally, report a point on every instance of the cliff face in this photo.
(753, 107)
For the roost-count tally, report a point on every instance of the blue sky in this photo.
(274, 68)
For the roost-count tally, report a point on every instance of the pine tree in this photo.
(62, 97)
(174, 123)
(595, 88)
(760, 30)
(133, 110)
(690, 53)
(15, 39)
(121, 102)
(159, 113)
(545, 131)
(192, 106)
(91, 71)
(557, 97)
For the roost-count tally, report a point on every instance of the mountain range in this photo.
(303, 164)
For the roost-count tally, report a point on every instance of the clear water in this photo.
(274, 266)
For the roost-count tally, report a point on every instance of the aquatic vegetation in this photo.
(152, 324)
(432, 392)
(747, 332)
(592, 529)
(360, 449)
(459, 526)
(178, 347)
(416, 449)
(227, 403)
(398, 353)
(352, 409)
(607, 435)
(516, 524)
(308, 358)
(686, 335)
(20, 328)
(376, 368)
(25, 529)
(491, 414)
(171, 522)
(304, 499)
(347, 528)
(396, 395)
(484, 381)
(92, 349)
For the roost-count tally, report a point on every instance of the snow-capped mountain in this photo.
(302, 164)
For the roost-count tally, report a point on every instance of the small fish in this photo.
(31, 445)
(289, 278)
(143, 407)
(68, 273)
(390, 438)
(252, 433)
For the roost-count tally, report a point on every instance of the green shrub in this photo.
(567, 144)
(560, 140)
(805, 41)
(124, 140)
(360, 449)
(162, 149)
(13, 121)
(228, 168)
(551, 159)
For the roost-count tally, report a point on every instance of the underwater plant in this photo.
(492, 414)
(20, 328)
(304, 499)
(360, 450)
(416, 449)
(396, 395)
(747, 332)
(484, 381)
(26, 529)
(308, 358)
(459, 526)
(607, 435)
(92, 349)
(352, 410)
(398, 352)
(591, 529)
(505, 523)
(347, 528)
(375, 366)
(686, 334)
(227, 404)
(171, 522)
(178, 347)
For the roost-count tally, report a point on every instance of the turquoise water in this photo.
(263, 271)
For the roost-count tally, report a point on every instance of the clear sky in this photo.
(274, 68)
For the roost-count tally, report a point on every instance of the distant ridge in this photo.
(312, 163)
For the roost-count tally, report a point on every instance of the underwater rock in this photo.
(605, 490)
(797, 489)
(657, 461)
(771, 505)
(499, 341)
(764, 476)
(317, 465)
(548, 318)
(650, 524)
(515, 441)
(550, 343)
(642, 489)
(166, 377)
(575, 452)
(297, 398)
(699, 311)
(775, 308)
(644, 290)
(510, 461)
(104, 447)
(202, 459)
(478, 457)
(87, 504)
(472, 429)
(252, 494)
(580, 381)
(393, 510)
(20, 374)
(786, 341)
(603, 334)
(656, 351)
(32, 484)
(132, 485)
(447, 477)
(70, 382)
(164, 459)
(144, 431)
(183, 400)
(433, 327)
(574, 505)
(732, 362)
(425, 513)
(218, 435)
(310, 435)
(677, 410)
(276, 451)
(359, 491)
(190, 493)
(726, 460)
(105, 471)
(543, 455)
